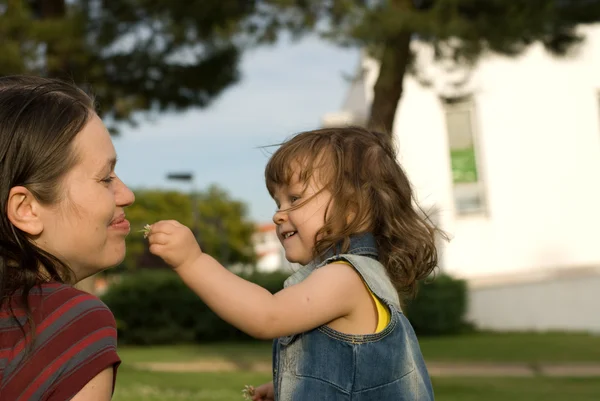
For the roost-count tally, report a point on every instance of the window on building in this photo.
(462, 139)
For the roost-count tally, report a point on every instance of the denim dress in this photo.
(326, 365)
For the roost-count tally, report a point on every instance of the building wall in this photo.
(538, 125)
(270, 256)
(561, 301)
(531, 255)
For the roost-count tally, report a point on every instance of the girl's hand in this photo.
(264, 392)
(173, 242)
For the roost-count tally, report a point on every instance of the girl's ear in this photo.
(23, 211)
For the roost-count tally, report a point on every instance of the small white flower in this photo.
(146, 230)
(248, 392)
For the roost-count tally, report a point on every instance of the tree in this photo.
(137, 55)
(460, 31)
(140, 55)
(224, 231)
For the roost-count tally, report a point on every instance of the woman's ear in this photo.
(23, 211)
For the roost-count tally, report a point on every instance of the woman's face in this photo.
(87, 227)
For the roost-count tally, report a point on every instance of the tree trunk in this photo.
(50, 8)
(394, 61)
(389, 86)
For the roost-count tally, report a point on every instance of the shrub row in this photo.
(156, 307)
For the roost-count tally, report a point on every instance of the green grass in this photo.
(481, 347)
(509, 347)
(133, 385)
(516, 389)
(240, 352)
(138, 385)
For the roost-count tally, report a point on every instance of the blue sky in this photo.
(283, 89)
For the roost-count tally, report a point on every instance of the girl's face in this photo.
(297, 228)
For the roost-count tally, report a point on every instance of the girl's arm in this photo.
(327, 294)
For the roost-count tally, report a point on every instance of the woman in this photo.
(62, 220)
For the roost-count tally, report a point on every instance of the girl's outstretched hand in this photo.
(173, 242)
(264, 392)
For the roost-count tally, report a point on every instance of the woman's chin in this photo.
(112, 262)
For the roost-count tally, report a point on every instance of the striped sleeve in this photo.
(76, 340)
(90, 346)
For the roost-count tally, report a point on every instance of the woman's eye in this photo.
(108, 180)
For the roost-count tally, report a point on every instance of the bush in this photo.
(439, 307)
(156, 307)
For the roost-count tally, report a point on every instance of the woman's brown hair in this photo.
(370, 193)
(39, 119)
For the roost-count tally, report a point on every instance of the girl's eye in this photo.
(108, 180)
(294, 198)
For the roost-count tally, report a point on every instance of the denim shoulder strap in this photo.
(374, 275)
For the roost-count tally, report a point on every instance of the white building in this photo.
(522, 203)
(269, 251)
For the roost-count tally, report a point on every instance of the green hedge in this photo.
(439, 307)
(156, 307)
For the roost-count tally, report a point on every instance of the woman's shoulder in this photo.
(58, 301)
(75, 339)
(70, 319)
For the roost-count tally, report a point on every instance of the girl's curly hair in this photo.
(370, 193)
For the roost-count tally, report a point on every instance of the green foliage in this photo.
(503, 26)
(142, 55)
(223, 228)
(460, 31)
(156, 307)
(439, 307)
(137, 55)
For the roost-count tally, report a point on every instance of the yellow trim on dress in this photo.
(383, 313)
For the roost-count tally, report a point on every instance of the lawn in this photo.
(242, 352)
(136, 384)
(509, 347)
(481, 347)
(516, 389)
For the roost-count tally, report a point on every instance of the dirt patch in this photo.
(216, 365)
(512, 370)
(440, 369)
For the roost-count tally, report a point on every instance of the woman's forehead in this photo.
(93, 144)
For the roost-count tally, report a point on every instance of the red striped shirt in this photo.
(76, 338)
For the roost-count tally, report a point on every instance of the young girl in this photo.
(345, 212)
